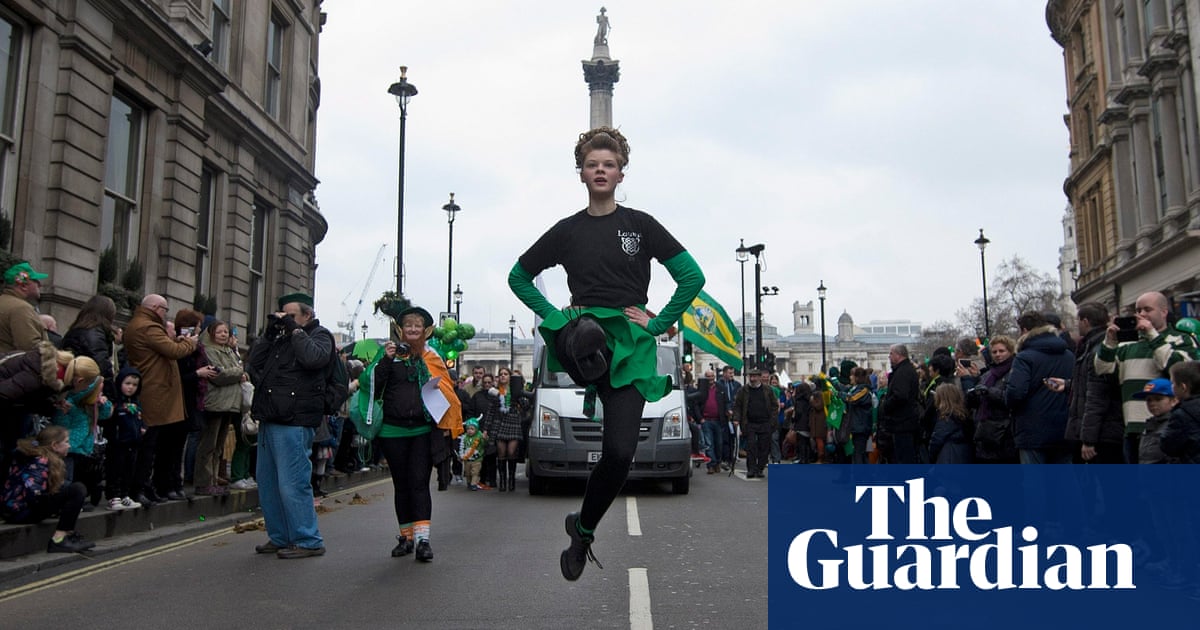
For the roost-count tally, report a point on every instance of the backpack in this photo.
(337, 383)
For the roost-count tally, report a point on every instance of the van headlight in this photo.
(673, 425)
(546, 424)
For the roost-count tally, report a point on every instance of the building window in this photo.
(122, 179)
(258, 258)
(12, 44)
(222, 16)
(275, 34)
(204, 217)
(1089, 129)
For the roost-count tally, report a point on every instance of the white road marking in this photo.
(631, 516)
(639, 601)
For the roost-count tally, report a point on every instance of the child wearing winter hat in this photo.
(470, 451)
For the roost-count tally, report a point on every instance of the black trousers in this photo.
(758, 447)
(622, 424)
(67, 503)
(410, 461)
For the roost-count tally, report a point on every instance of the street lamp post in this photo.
(743, 255)
(982, 242)
(756, 251)
(821, 295)
(403, 91)
(458, 303)
(512, 351)
(364, 330)
(451, 209)
(764, 292)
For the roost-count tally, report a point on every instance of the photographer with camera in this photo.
(1157, 347)
(287, 365)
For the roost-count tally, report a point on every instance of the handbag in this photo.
(249, 424)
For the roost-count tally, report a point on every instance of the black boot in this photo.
(575, 557)
(512, 475)
(403, 547)
(501, 477)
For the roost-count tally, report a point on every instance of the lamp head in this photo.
(982, 241)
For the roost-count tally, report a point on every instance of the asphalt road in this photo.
(698, 560)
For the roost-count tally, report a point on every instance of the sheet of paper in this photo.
(435, 401)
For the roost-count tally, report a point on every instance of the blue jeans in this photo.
(285, 485)
(713, 430)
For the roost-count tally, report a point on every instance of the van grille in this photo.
(592, 432)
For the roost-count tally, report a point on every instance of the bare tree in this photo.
(940, 333)
(1016, 288)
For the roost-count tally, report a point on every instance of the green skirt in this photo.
(634, 350)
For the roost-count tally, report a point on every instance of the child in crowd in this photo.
(1181, 436)
(470, 451)
(1160, 399)
(37, 487)
(81, 408)
(124, 433)
(952, 441)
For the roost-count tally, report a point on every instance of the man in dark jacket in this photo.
(727, 390)
(1039, 412)
(756, 407)
(1095, 427)
(899, 411)
(287, 364)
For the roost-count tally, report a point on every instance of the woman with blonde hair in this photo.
(37, 487)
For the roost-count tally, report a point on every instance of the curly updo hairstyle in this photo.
(602, 138)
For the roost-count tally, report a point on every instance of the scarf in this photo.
(991, 378)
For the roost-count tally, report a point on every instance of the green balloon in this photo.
(1188, 325)
(449, 324)
(459, 345)
(464, 346)
(466, 331)
(439, 332)
(450, 337)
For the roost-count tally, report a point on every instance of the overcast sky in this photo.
(864, 143)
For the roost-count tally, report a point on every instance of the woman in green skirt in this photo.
(606, 338)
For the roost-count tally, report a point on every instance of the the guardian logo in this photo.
(949, 547)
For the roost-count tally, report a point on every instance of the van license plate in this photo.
(593, 457)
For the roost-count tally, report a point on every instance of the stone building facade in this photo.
(1134, 184)
(179, 134)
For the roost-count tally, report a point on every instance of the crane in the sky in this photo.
(348, 326)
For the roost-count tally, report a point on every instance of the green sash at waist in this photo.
(634, 349)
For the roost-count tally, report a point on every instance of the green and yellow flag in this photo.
(706, 325)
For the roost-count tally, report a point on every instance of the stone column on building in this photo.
(1192, 126)
(1147, 202)
(1172, 151)
(1120, 130)
(601, 72)
(1133, 29)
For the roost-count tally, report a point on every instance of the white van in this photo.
(563, 444)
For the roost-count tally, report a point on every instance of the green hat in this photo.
(425, 316)
(295, 297)
(22, 273)
(473, 422)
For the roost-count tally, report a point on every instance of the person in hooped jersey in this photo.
(606, 338)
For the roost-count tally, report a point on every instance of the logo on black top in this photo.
(631, 242)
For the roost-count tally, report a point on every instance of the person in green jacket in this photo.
(606, 338)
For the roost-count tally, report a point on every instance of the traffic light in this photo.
(687, 352)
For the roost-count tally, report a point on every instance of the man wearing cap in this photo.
(20, 326)
(287, 365)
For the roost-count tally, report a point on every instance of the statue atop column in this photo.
(601, 28)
